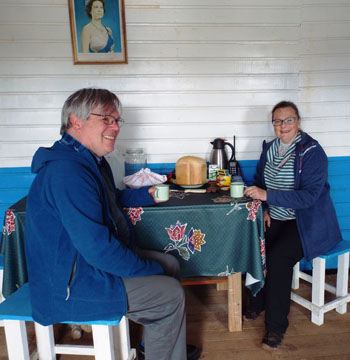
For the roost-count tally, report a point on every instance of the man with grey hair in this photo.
(82, 260)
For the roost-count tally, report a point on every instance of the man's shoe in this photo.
(140, 352)
(272, 341)
(193, 352)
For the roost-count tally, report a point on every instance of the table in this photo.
(210, 234)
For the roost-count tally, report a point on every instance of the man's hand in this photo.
(151, 191)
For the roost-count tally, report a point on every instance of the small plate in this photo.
(190, 186)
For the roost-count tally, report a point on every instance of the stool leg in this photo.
(318, 285)
(342, 280)
(295, 280)
(16, 340)
(103, 342)
(45, 342)
(121, 337)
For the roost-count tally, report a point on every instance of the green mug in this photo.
(161, 192)
(236, 189)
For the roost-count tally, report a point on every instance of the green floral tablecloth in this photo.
(12, 248)
(210, 235)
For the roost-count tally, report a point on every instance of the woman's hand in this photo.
(267, 220)
(255, 193)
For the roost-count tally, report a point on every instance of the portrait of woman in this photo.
(98, 31)
(95, 37)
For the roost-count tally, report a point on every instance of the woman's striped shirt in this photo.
(279, 175)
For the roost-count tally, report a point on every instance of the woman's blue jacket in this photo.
(314, 211)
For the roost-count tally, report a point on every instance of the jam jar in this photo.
(135, 160)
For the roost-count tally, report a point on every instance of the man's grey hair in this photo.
(82, 103)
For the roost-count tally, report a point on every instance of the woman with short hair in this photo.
(300, 221)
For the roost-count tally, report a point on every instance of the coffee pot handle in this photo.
(233, 151)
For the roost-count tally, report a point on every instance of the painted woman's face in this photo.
(97, 10)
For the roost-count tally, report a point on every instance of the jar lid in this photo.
(134, 151)
(237, 178)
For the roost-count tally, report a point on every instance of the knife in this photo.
(199, 191)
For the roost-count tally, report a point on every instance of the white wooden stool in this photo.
(110, 342)
(317, 304)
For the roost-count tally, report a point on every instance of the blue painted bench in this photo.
(16, 310)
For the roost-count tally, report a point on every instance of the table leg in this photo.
(234, 294)
(221, 286)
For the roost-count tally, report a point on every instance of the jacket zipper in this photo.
(71, 277)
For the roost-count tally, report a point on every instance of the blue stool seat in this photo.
(17, 307)
(341, 248)
(110, 341)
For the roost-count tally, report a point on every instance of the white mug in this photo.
(161, 192)
(236, 189)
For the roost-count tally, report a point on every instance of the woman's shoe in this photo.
(251, 315)
(272, 341)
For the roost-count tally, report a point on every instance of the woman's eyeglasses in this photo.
(288, 121)
(110, 119)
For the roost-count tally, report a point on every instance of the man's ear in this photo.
(75, 122)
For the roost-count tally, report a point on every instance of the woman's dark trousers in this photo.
(283, 251)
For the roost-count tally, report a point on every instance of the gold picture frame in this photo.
(98, 31)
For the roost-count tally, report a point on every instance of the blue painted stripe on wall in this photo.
(15, 183)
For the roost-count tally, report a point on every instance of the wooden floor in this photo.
(207, 328)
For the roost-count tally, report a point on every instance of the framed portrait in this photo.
(98, 31)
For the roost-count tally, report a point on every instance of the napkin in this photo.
(144, 177)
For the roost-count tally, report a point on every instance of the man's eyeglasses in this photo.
(288, 121)
(110, 119)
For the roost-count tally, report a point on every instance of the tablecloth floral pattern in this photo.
(185, 244)
(214, 239)
(10, 224)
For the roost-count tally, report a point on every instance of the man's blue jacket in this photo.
(314, 211)
(75, 262)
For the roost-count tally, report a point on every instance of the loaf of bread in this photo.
(191, 170)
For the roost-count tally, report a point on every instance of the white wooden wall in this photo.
(198, 69)
(324, 78)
